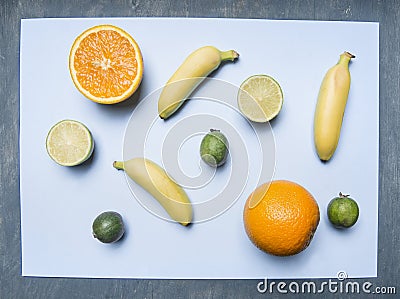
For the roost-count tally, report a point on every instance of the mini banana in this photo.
(330, 107)
(196, 67)
(156, 181)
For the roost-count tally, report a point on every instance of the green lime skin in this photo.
(108, 227)
(214, 148)
(343, 211)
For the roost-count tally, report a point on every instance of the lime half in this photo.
(69, 143)
(260, 98)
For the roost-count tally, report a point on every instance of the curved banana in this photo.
(189, 75)
(330, 108)
(156, 181)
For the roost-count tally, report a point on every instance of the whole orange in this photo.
(280, 217)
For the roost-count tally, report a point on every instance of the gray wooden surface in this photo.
(13, 285)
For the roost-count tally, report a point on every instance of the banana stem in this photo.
(229, 55)
(348, 54)
(345, 58)
(118, 165)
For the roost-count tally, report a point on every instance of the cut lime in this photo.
(69, 143)
(260, 98)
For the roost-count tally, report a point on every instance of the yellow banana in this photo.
(330, 108)
(156, 181)
(189, 75)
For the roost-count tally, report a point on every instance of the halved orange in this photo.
(106, 64)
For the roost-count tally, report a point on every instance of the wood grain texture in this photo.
(12, 285)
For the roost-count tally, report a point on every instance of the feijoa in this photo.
(343, 211)
(214, 148)
(108, 227)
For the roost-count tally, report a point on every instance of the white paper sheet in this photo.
(58, 204)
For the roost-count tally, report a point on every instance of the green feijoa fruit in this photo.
(214, 148)
(108, 227)
(343, 211)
